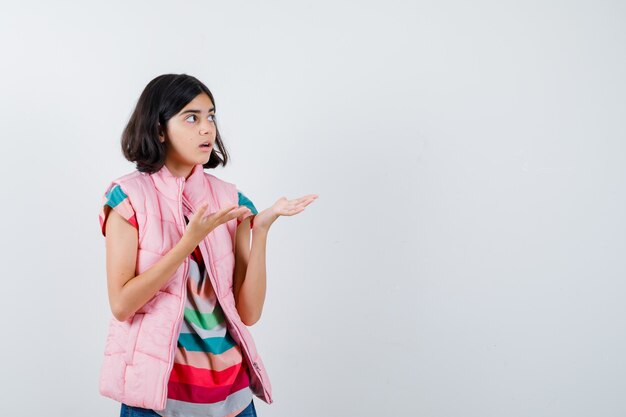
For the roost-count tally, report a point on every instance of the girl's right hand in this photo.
(201, 225)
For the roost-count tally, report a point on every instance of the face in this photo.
(188, 133)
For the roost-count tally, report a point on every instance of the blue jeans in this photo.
(130, 411)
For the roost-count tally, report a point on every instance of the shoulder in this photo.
(117, 190)
(116, 198)
(124, 179)
(130, 179)
(231, 189)
(114, 195)
(126, 193)
(245, 201)
(218, 181)
(226, 188)
(129, 184)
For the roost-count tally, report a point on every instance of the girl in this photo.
(183, 282)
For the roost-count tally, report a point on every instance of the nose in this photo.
(206, 126)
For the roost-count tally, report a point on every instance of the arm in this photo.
(249, 286)
(129, 292)
(250, 279)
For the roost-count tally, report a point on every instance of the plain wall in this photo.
(465, 256)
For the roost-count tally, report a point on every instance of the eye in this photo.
(211, 117)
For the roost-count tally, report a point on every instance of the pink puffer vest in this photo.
(139, 352)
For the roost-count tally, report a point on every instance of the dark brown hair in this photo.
(163, 98)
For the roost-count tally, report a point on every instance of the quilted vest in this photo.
(139, 352)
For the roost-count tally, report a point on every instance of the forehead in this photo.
(201, 102)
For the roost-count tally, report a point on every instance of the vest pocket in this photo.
(133, 333)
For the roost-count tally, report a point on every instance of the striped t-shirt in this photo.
(209, 378)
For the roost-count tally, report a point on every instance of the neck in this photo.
(178, 169)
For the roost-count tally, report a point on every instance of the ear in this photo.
(160, 132)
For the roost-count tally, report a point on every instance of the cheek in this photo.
(182, 147)
(179, 139)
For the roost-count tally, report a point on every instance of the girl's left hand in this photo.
(282, 207)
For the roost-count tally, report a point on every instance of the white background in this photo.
(465, 256)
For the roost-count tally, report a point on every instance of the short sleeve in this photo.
(117, 200)
(245, 201)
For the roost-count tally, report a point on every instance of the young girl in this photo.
(183, 279)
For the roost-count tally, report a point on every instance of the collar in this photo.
(194, 187)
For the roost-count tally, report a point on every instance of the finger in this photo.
(200, 211)
(305, 198)
(225, 210)
(291, 212)
(239, 212)
(304, 203)
(234, 212)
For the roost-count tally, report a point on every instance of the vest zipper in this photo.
(257, 369)
(174, 337)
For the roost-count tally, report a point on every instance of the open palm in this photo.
(282, 207)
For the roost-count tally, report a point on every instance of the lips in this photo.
(206, 147)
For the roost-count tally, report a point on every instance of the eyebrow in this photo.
(197, 111)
